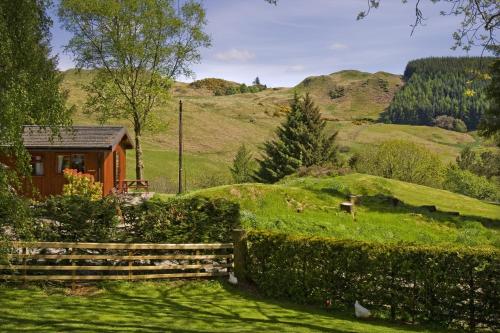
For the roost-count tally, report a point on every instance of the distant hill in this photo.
(215, 126)
(352, 94)
(436, 87)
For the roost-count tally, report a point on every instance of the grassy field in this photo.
(183, 307)
(311, 206)
(215, 126)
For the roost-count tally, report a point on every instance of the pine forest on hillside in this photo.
(434, 87)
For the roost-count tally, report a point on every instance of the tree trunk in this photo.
(139, 164)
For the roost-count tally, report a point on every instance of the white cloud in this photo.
(235, 55)
(338, 46)
(296, 68)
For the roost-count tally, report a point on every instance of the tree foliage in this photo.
(221, 87)
(137, 48)
(470, 184)
(29, 82)
(479, 21)
(486, 163)
(490, 123)
(15, 213)
(435, 87)
(301, 141)
(243, 166)
(402, 160)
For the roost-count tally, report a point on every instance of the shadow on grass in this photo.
(183, 307)
(334, 314)
(388, 203)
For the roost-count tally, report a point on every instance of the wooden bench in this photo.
(136, 184)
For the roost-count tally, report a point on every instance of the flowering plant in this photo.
(81, 184)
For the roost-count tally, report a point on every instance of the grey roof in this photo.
(76, 137)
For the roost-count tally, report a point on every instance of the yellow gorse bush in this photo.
(81, 184)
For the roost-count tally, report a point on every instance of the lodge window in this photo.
(74, 161)
(36, 165)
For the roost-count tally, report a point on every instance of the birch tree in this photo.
(137, 48)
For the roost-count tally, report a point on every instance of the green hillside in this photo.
(215, 126)
(350, 94)
(311, 206)
(453, 87)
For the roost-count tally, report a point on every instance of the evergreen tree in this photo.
(301, 141)
(242, 168)
(437, 87)
(256, 82)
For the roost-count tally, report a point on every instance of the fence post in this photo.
(240, 253)
(24, 252)
(130, 253)
(73, 272)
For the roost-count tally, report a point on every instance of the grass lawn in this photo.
(310, 206)
(198, 306)
(200, 171)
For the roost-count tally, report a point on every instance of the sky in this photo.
(286, 43)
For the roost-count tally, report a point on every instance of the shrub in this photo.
(336, 92)
(77, 219)
(220, 87)
(481, 163)
(450, 123)
(450, 287)
(81, 184)
(402, 160)
(15, 213)
(195, 219)
(467, 183)
(243, 166)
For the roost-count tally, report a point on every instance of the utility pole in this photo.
(180, 147)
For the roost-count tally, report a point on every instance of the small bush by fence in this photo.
(453, 288)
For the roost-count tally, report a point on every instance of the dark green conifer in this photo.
(300, 141)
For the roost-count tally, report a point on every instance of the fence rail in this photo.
(67, 261)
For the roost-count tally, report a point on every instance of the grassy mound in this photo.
(311, 206)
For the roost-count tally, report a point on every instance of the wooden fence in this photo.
(43, 261)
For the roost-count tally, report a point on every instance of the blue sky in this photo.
(298, 38)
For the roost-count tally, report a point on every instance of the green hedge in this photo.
(195, 219)
(76, 219)
(449, 287)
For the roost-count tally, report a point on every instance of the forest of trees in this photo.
(453, 87)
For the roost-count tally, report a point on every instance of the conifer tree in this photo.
(301, 141)
(242, 168)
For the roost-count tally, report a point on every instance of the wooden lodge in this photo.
(96, 150)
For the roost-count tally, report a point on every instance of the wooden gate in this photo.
(44, 261)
